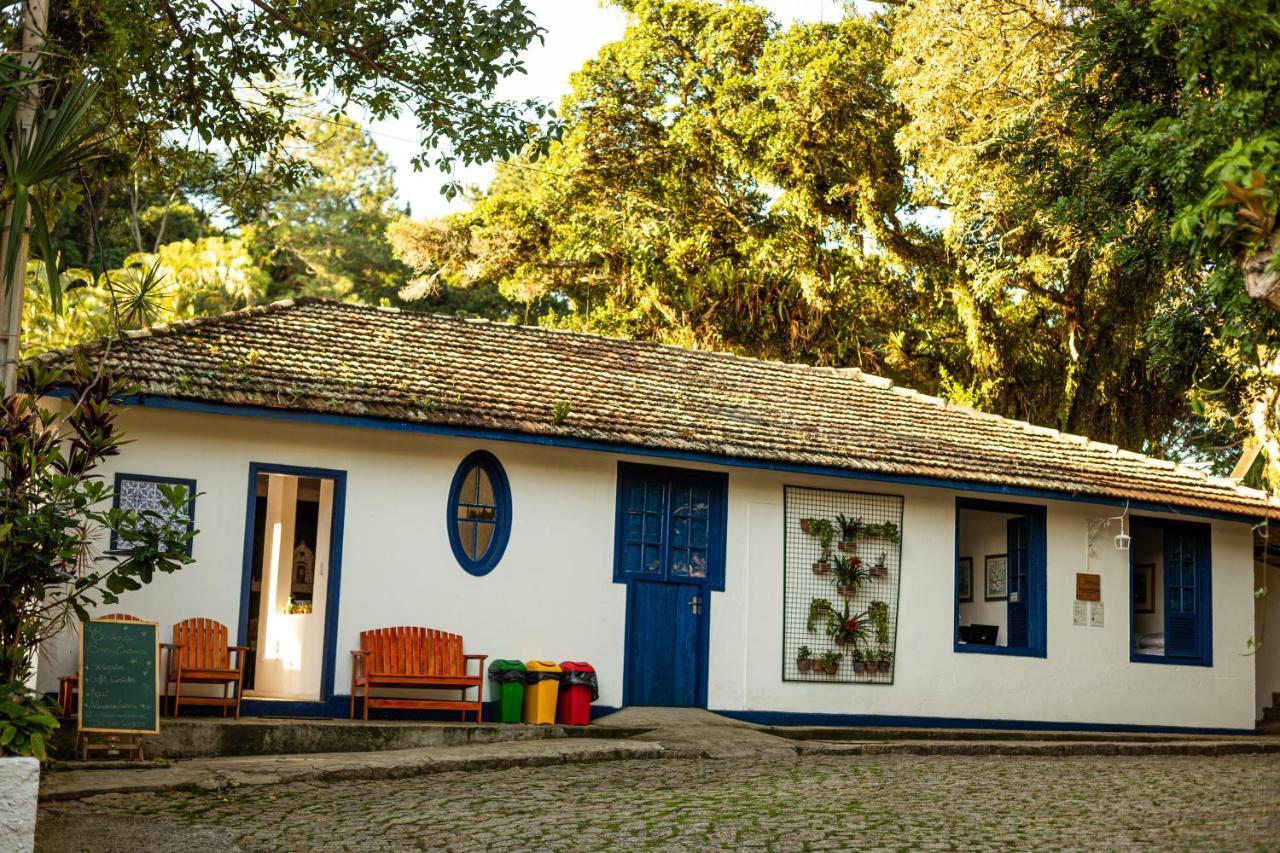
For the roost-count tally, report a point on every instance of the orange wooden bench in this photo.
(68, 685)
(199, 654)
(411, 658)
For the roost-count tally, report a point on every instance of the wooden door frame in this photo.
(336, 526)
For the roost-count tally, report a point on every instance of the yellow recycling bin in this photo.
(541, 686)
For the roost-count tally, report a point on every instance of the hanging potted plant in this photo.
(830, 662)
(819, 608)
(804, 659)
(881, 568)
(878, 614)
(825, 532)
(850, 530)
(850, 574)
(859, 661)
(850, 630)
(884, 659)
(888, 530)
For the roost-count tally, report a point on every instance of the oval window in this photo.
(479, 512)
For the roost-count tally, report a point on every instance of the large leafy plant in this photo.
(54, 513)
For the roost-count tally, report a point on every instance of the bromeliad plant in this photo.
(850, 575)
(849, 630)
(53, 511)
(850, 531)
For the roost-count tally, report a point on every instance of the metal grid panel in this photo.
(802, 585)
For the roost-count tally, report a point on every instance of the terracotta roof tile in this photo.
(319, 356)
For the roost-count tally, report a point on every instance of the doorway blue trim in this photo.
(332, 594)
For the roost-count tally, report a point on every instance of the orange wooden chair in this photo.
(199, 654)
(415, 657)
(69, 685)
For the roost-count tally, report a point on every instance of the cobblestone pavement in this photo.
(818, 803)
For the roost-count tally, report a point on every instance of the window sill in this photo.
(1137, 657)
(1005, 651)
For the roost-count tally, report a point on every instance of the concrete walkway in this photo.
(217, 773)
(679, 733)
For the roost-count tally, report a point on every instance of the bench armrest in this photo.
(480, 658)
(238, 648)
(171, 645)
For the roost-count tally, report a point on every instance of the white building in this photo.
(569, 497)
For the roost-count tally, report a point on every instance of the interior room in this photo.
(982, 585)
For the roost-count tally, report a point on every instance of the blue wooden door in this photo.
(670, 553)
(1181, 595)
(663, 648)
(1019, 533)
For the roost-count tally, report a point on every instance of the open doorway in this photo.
(291, 583)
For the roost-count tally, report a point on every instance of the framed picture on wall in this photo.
(997, 577)
(964, 579)
(1144, 588)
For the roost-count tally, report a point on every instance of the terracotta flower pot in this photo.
(804, 525)
(859, 666)
(884, 665)
(804, 664)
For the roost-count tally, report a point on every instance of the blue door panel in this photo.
(670, 553)
(662, 649)
(1018, 546)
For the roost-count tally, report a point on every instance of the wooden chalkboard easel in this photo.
(121, 674)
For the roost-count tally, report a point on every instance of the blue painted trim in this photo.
(1204, 590)
(502, 508)
(794, 718)
(176, 404)
(114, 545)
(337, 525)
(1037, 580)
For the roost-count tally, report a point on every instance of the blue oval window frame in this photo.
(501, 488)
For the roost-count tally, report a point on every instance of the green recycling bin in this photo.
(508, 680)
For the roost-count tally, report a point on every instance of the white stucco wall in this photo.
(552, 596)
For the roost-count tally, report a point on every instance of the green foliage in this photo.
(54, 509)
(27, 721)
(721, 183)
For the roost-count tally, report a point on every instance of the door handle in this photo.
(695, 605)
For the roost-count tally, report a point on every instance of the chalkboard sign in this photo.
(119, 677)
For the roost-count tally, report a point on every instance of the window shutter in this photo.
(1181, 613)
(1019, 537)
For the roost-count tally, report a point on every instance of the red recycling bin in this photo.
(577, 689)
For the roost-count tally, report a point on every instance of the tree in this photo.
(234, 79)
(720, 183)
(328, 236)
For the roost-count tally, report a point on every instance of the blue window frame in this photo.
(1181, 587)
(141, 493)
(479, 512)
(1025, 546)
(670, 524)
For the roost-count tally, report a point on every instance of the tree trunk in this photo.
(35, 21)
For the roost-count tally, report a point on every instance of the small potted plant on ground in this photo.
(850, 574)
(884, 659)
(830, 662)
(819, 608)
(825, 532)
(804, 659)
(850, 530)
